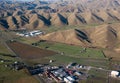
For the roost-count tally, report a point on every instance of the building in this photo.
(78, 73)
(67, 80)
(54, 77)
(30, 34)
(71, 79)
(35, 70)
(115, 74)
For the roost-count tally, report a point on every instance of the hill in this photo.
(104, 36)
(32, 15)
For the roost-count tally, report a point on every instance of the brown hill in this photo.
(102, 36)
(12, 22)
(2, 27)
(20, 21)
(35, 22)
(59, 12)
(69, 36)
(17, 13)
(73, 19)
(47, 19)
(58, 19)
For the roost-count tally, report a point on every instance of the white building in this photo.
(115, 74)
(67, 80)
(78, 73)
(70, 78)
(30, 34)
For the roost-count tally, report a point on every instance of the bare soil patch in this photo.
(29, 52)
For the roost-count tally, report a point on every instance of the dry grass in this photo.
(103, 36)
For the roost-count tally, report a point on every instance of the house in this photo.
(70, 78)
(78, 73)
(115, 74)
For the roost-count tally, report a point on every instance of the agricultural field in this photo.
(3, 49)
(78, 40)
(62, 59)
(71, 50)
(70, 53)
(29, 52)
(27, 40)
(7, 75)
(10, 76)
(100, 76)
(61, 54)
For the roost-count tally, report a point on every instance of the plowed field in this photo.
(29, 52)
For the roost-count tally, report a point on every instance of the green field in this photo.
(62, 60)
(70, 53)
(100, 76)
(66, 54)
(98, 73)
(73, 51)
(27, 40)
(3, 49)
(11, 76)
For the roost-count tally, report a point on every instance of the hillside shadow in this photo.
(82, 35)
(63, 19)
(15, 22)
(46, 21)
(24, 19)
(4, 23)
(97, 17)
(81, 19)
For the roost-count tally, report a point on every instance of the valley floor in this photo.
(66, 54)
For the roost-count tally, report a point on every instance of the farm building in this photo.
(30, 34)
(35, 70)
(68, 79)
(115, 73)
(17, 65)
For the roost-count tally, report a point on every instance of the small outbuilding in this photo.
(51, 61)
(115, 73)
